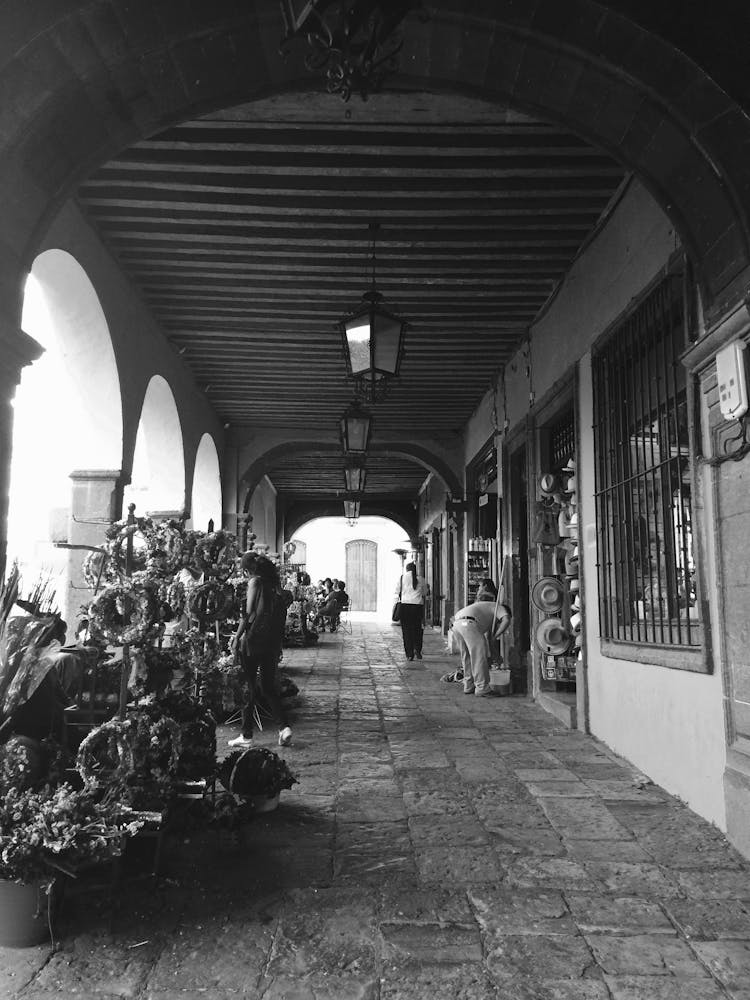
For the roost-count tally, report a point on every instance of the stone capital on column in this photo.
(17, 350)
(96, 495)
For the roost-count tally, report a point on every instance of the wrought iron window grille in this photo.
(647, 573)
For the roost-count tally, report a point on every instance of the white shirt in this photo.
(409, 593)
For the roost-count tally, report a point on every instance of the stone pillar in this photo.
(96, 502)
(17, 350)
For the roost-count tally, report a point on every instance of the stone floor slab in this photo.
(645, 955)
(618, 915)
(437, 847)
(663, 988)
(710, 919)
(503, 912)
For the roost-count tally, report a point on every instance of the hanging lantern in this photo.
(355, 430)
(373, 340)
(355, 476)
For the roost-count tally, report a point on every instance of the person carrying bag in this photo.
(396, 613)
(412, 591)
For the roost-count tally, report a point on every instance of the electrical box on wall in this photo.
(732, 379)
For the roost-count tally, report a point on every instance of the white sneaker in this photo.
(241, 741)
(285, 737)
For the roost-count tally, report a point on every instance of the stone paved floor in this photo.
(437, 847)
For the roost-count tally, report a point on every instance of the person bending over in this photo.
(473, 626)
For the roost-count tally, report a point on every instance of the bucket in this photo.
(500, 680)
(261, 803)
(23, 914)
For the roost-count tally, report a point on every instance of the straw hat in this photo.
(575, 604)
(547, 594)
(570, 484)
(571, 561)
(549, 483)
(570, 466)
(552, 637)
(576, 621)
(575, 585)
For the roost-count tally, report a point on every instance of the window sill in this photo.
(691, 658)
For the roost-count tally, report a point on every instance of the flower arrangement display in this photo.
(138, 756)
(215, 554)
(255, 772)
(212, 601)
(123, 613)
(117, 536)
(222, 686)
(98, 569)
(197, 755)
(45, 828)
(166, 546)
(171, 597)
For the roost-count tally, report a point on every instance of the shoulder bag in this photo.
(396, 613)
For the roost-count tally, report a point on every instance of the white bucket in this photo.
(500, 680)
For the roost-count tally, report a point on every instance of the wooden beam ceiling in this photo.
(247, 234)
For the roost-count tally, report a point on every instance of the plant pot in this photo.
(24, 919)
(262, 804)
(500, 681)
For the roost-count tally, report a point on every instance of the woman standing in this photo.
(258, 641)
(411, 592)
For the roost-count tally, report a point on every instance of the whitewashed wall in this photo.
(668, 722)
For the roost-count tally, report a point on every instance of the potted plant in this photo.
(256, 775)
(47, 828)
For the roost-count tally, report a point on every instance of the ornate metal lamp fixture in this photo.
(354, 42)
(355, 476)
(355, 430)
(373, 339)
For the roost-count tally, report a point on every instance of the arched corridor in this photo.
(435, 845)
(504, 303)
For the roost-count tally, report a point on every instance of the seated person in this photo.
(335, 602)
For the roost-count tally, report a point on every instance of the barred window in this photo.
(643, 489)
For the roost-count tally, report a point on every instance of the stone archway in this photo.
(158, 477)
(205, 504)
(68, 416)
(578, 63)
(416, 452)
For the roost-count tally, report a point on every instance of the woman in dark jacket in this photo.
(258, 641)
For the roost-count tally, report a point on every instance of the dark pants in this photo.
(262, 659)
(411, 628)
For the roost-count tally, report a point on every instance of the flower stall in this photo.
(151, 676)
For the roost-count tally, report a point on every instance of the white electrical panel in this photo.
(730, 371)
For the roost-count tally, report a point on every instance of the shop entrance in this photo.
(519, 545)
(435, 579)
(362, 574)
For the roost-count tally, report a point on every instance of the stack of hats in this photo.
(551, 634)
(571, 552)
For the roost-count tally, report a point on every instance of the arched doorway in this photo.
(205, 504)
(158, 477)
(68, 414)
(362, 574)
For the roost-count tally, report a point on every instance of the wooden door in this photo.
(362, 574)
(436, 581)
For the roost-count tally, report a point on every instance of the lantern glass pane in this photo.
(356, 433)
(354, 479)
(358, 342)
(387, 338)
